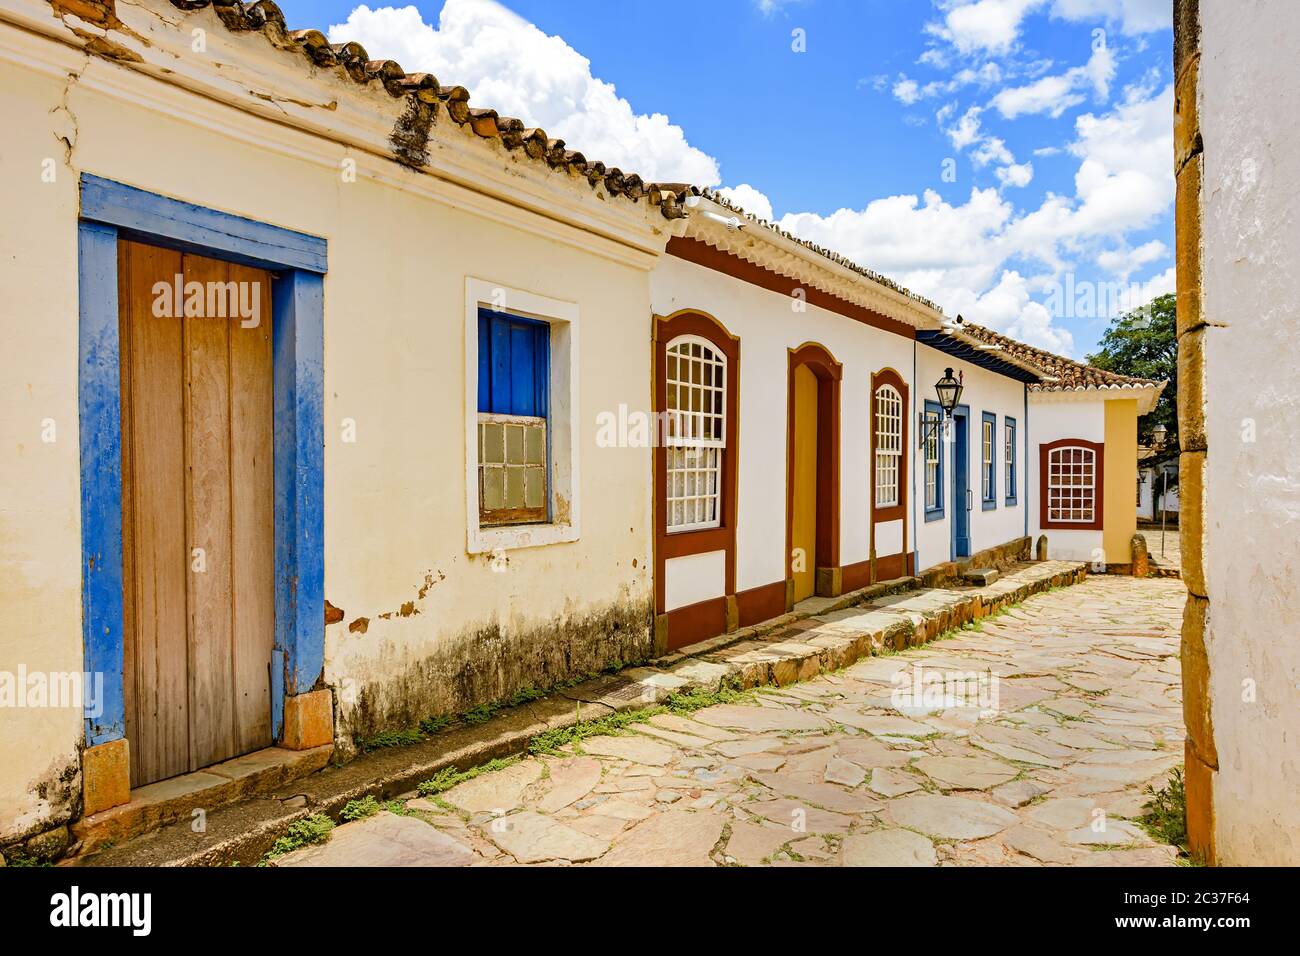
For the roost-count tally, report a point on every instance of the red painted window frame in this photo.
(1099, 483)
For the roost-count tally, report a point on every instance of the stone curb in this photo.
(795, 647)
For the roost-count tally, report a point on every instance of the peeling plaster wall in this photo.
(40, 505)
(425, 628)
(1250, 96)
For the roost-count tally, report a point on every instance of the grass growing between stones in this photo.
(437, 723)
(360, 809)
(613, 725)
(306, 832)
(1164, 816)
(447, 778)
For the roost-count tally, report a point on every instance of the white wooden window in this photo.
(1009, 459)
(695, 432)
(1071, 484)
(512, 469)
(932, 445)
(889, 445)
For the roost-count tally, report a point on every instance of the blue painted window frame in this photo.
(110, 211)
(989, 469)
(937, 512)
(1012, 463)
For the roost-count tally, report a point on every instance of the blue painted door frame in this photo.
(960, 481)
(110, 210)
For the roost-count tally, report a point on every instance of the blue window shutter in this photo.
(484, 365)
(523, 398)
(500, 339)
(513, 365)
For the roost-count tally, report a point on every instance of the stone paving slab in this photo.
(837, 770)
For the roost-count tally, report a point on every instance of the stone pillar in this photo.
(1141, 558)
(308, 720)
(1041, 550)
(105, 776)
(1201, 757)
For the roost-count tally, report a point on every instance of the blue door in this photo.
(960, 482)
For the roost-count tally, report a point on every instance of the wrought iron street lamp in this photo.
(948, 389)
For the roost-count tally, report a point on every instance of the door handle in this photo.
(970, 500)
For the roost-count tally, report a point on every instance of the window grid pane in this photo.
(987, 459)
(1071, 484)
(695, 433)
(512, 469)
(931, 460)
(889, 445)
(1009, 457)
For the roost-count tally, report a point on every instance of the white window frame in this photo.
(562, 420)
(889, 444)
(712, 448)
(1054, 485)
(988, 436)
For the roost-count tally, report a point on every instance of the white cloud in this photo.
(1134, 16)
(1016, 174)
(991, 26)
(510, 65)
(749, 199)
(1054, 95)
(1140, 293)
(966, 131)
(1124, 261)
(907, 91)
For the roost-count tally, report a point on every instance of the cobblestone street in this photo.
(1053, 718)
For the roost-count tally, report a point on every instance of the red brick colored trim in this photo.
(703, 254)
(761, 603)
(829, 373)
(722, 538)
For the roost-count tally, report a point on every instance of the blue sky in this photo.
(1010, 159)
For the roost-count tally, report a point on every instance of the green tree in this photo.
(1144, 343)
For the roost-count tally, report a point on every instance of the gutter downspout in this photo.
(1025, 463)
(916, 543)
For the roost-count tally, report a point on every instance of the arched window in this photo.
(1072, 477)
(889, 445)
(695, 432)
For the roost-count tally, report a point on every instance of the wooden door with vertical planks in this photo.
(197, 509)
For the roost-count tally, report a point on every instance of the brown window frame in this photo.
(678, 544)
(1098, 485)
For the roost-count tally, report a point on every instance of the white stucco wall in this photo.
(1052, 417)
(1250, 96)
(442, 625)
(983, 391)
(768, 328)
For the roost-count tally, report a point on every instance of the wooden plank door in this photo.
(197, 509)
(803, 536)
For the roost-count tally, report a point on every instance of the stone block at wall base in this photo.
(1196, 680)
(830, 582)
(1198, 783)
(105, 776)
(308, 720)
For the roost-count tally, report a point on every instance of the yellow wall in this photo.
(1120, 510)
(444, 627)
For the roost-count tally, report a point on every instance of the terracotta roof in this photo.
(351, 61)
(1059, 373)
